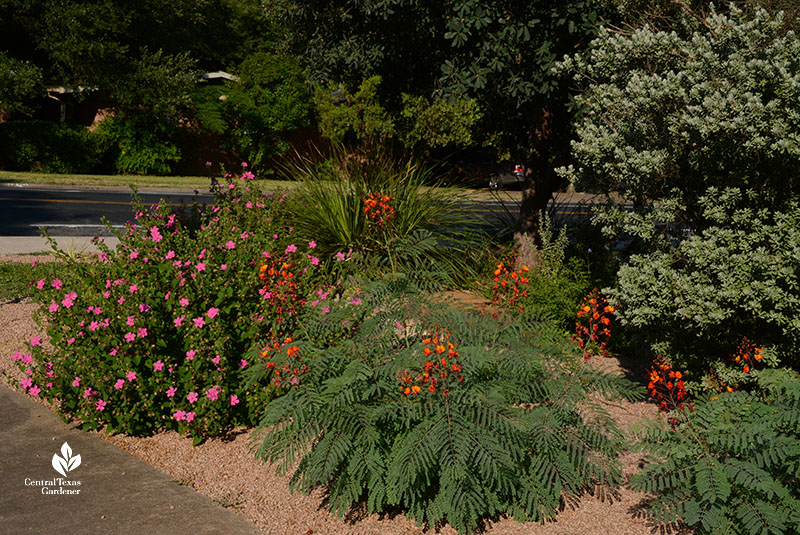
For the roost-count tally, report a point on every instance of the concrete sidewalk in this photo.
(110, 491)
(16, 245)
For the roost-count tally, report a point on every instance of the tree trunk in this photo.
(540, 183)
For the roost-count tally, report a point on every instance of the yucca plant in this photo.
(406, 401)
(732, 465)
(393, 212)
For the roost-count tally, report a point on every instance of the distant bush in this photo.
(49, 147)
(139, 144)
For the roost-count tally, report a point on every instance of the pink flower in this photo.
(133, 288)
(312, 244)
(223, 267)
(199, 322)
(119, 384)
(291, 248)
(212, 312)
(106, 294)
(167, 296)
(179, 415)
(155, 234)
(142, 332)
(234, 400)
(340, 256)
(131, 320)
(36, 341)
(67, 302)
(130, 337)
(93, 326)
(87, 393)
(201, 266)
(100, 405)
(34, 391)
(134, 255)
(189, 416)
(244, 164)
(171, 391)
(242, 364)
(131, 376)
(356, 301)
(212, 393)
(184, 302)
(40, 284)
(178, 321)
(192, 397)
(26, 383)
(314, 261)
(171, 220)
(170, 254)
(144, 307)
(190, 354)
(113, 352)
(77, 382)
(230, 244)
(121, 300)
(57, 284)
(216, 359)
(248, 175)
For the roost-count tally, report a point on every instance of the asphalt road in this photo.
(75, 212)
(72, 212)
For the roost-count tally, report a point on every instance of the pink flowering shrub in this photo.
(154, 334)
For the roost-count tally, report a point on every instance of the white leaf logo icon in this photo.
(65, 463)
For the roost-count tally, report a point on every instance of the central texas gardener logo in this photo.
(66, 462)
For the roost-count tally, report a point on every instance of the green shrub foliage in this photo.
(153, 334)
(733, 464)
(739, 278)
(403, 401)
(49, 147)
(667, 115)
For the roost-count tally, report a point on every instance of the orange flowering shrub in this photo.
(378, 209)
(510, 284)
(284, 362)
(666, 386)
(593, 326)
(436, 374)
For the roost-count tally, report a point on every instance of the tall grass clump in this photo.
(393, 214)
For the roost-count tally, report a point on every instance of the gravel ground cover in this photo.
(226, 471)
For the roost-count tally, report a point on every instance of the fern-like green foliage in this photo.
(516, 435)
(733, 464)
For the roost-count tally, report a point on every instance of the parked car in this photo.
(511, 180)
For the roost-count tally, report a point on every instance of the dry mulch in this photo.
(226, 471)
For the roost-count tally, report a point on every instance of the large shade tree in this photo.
(498, 54)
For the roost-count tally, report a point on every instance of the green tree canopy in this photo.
(497, 54)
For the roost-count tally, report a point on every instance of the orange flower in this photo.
(427, 351)
(292, 350)
(746, 369)
(729, 389)
(406, 391)
(415, 389)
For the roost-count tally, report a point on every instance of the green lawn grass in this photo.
(18, 279)
(125, 181)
